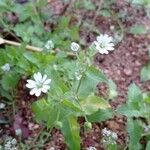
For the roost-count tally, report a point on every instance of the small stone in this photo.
(36, 126)
(127, 71)
(30, 126)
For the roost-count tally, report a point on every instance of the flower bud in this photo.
(58, 124)
(88, 125)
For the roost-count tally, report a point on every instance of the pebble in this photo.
(127, 71)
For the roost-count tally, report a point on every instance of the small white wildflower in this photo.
(49, 45)
(18, 132)
(39, 84)
(91, 148)
(5, 67)
(75, 46)
(104, 44)
(2, 105)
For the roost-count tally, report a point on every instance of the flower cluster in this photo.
(91, 148)
(39, 84)
(108, 133)
(109, 137)
(10, 144)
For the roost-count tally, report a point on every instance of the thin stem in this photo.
(119, 23)
(7, 29)
(96, 14)
(77, 100)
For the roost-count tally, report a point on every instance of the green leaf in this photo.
(100, 115)
(138, 29)
(89, 81)
(129, 111)
(93, 103)
(9, 80)
(45, 111)
(71, 132)
(134, 94)
(31, 57)
(145, 73)
(134, 104)
(70, 105)
(112, 89)
(87, 4)
(135, 132)
(148, 146)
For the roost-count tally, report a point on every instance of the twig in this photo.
(32, 48)
(96, 14)
(3, 41)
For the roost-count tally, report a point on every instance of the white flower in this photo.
(75, 46)
(5, 67)
(2, 105)
(49, 44)
(104, 44)
(91, 148)
(39, 84)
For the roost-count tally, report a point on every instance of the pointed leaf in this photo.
(71, 132)
(135, 132)
(100, 115)
(89, 81)
(93, 103)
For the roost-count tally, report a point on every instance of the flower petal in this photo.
(45, 88)
(47, 81)
(38, 77)
(44, 78)
(31, 84)
(38, 92)
(33, 91)
(110, 48)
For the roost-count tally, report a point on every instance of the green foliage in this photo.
(138, 29)
(73, 79)
(136, 107)
(145, 73)
(135, 132)
(71, 131)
